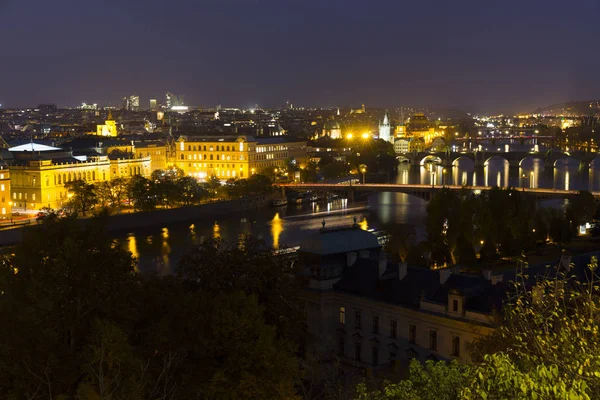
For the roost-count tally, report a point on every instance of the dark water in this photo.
(160, 248)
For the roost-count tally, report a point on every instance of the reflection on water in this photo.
(276, 229)
(159, 249)
(132, 246)
(530, 173)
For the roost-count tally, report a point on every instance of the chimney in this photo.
(444, 275)
(351, 258)
(487, 274)
(402, 270)
(382, 265)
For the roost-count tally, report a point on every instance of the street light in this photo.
(363, 169)
(443, 176)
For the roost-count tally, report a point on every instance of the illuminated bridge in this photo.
(422, 191)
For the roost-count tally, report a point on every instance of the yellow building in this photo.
(37, 179)
(109, 128)
(5, 200)
(233, 156)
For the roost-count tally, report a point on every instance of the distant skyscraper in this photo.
(385, 128)
(131, 103)
(153, 105)
(173, 101)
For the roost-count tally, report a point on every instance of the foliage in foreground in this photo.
(77, 321)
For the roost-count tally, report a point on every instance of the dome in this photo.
(339, 241)
(331, 125)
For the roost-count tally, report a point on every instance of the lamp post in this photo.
(443, 177)
(363, 169)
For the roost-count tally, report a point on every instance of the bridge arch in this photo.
(499, 158)
(532, 158)
(566, 161)
(464, 161)
(430, 160)
(402, 159)
(595, 163)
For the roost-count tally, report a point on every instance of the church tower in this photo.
(385, 128)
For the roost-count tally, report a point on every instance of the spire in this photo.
(386, 120)
(109, 115)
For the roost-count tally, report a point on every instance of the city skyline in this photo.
(507, 58)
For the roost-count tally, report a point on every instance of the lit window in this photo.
(2, 187)
(181, 146)
(241, 146)
(342, 315)
(3, 210)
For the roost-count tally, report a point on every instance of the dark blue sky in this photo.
(487, 56)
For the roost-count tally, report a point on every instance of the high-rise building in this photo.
(385, 128)
(173, 100)
(131, 103)
(153, 105)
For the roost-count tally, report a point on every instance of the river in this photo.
(159, 249)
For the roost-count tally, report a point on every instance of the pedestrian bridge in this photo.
(425, 192)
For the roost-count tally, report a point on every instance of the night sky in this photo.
(484, 56)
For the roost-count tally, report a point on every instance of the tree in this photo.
(60, 280)
(496, 378)
(189, 190)
(252, 267)
(335, 169)
(82, 196)
(551, 321)
(76, 321)
(259, 184)
(581, 209)
(142, 193)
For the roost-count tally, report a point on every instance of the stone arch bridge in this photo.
(515, 159)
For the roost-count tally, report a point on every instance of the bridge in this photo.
(514, 158)
(425, 192)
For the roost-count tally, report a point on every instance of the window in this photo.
(357, 350)
(375, 355)
(455, 305)
(433, 339)
(342, 315)
(394, 329)
(375, 324)
(357, 321)
(456, 346)
(182, 157)
(412, 334)
(14, 195)
(2, 188)
(341, 344)
(33, 197)
(3, 210)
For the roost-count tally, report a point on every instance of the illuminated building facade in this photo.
(153, 105)
(6, 202)
(38, 178)
(385, 128)
(109, 128)
(131, 103)
(228, 157)
(332, 129)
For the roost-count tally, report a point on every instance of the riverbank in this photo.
(146, 219)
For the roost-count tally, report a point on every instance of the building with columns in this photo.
(38, 173)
